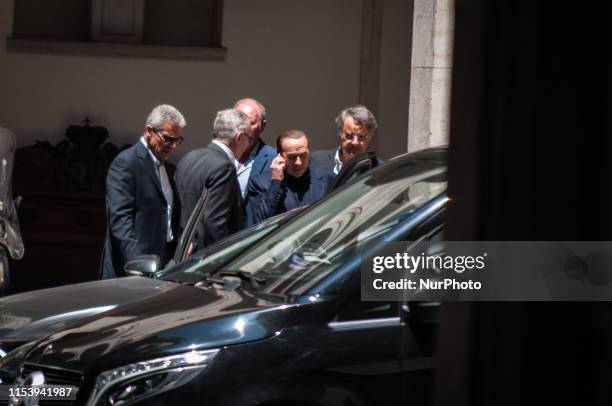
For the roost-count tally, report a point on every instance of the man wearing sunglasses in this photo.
(356, 127)
(214, 168)
(142, 206)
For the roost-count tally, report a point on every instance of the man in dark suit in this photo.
(257, 158)
(142, 206)
(213, 168)
(290, 183)
(356, 127)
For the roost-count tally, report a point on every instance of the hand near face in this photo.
(277, 168)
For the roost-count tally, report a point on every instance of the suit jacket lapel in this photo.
(149, 167)
(317, 183)
(261, 159)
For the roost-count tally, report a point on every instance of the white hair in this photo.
(229, 122)
(165, 113)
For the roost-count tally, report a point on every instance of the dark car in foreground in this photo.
(282, 323)
(29, 316)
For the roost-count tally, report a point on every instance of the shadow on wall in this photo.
(62, 215)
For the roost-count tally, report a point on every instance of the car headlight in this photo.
(144, 379)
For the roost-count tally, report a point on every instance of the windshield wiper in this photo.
(231, 280)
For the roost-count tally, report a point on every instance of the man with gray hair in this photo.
(214, 168)
(142, 206)
(356, 127)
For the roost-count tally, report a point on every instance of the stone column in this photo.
(371, 34)
(430, 80)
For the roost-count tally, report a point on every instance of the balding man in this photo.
(290, 183)
(257, 158)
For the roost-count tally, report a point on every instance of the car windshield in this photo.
(209, 259)
(302, 253)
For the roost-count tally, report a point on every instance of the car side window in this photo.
(355, 309)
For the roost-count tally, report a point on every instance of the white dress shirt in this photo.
(162, 175)
(244, 170)
(226, 149)
(338, 165)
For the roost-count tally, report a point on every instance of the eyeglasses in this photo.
(167, 138)
(249, 138)
(359, 137)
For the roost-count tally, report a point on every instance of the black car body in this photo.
(33, 315)
(282, 323)
(28, 317)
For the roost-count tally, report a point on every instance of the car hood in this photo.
(175, 321)
(33, 315)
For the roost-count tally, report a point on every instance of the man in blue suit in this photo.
(142, 206)
(257, 158)
(290, 183)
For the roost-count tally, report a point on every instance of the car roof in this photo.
(430, 154)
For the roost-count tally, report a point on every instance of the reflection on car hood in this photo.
(33, 315)
(176, 321)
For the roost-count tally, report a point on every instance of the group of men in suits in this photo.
(246, 180)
